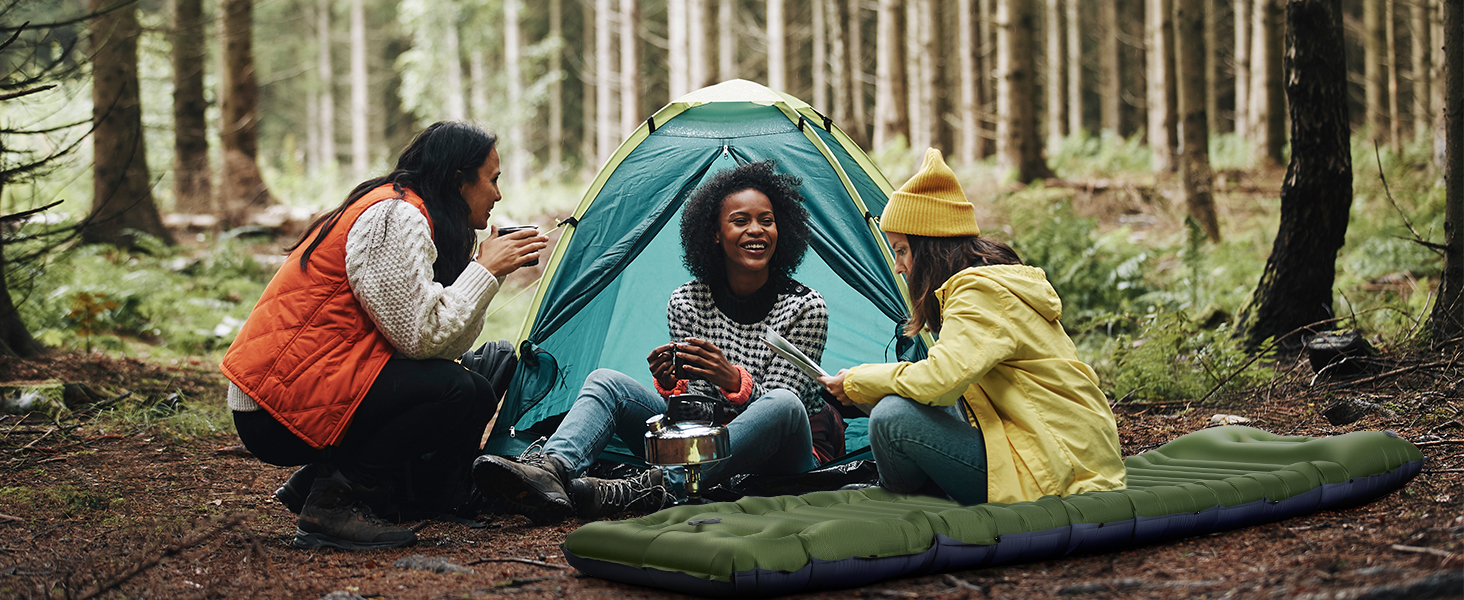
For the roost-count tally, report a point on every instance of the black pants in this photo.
(414, 409)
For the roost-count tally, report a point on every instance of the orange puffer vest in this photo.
(309, 352)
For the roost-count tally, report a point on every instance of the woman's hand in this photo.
(704, 360)
(502, 255)
(662, 366)
(835, 384)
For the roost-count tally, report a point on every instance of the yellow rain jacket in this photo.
(1002, 351)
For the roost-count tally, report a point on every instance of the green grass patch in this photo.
(64, 500)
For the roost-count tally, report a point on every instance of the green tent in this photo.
(602, 300)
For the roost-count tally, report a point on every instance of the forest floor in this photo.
(92, 507)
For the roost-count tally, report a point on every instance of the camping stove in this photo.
(692, 445)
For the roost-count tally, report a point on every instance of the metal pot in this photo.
(686, 443)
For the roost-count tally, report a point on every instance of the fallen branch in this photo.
(1437, 442)
(1423, 550)
(527, 561)
(1389, 373)
(1093, 587)
(9, 519)
(223, 524)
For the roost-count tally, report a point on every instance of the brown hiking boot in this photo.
(533, 485)
(335, 517)
(598, 498)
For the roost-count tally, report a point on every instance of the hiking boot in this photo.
(596, 498)
(532, 485)
(293, 493)
(335, 517)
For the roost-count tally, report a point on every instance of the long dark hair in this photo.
(701, 220)
(435, 165)
(933, 260)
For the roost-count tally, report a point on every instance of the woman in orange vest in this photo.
(346, 363)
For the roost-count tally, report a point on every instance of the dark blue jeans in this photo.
(917, 443)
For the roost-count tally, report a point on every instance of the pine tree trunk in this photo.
(1194, 158)
(1447, 320)
(192, 185)
(556, 88)
(1110, 78)
(242, 192)
(122, 191)
(726, 40)
(1242, 67)
(325, 70)
(966, 47)
(1162, 90)
(891, 105)
(1268, 103)
(1422, 70)
(1075, 67)
(1375, 74)
(360, 87)
(1440, 88)
(931, 107)
(821, 75)
(1018, 143)
(835, 18)
(1055, 32)
(478, 105)
(515, 153)
(1212, 68)
(606, 134)
(777, 46)
(1295, 290)
(1390, 58)
(590, 87)
(15, 337)
(453, 88)
(857, 126)
(630, 71)
(696, 40)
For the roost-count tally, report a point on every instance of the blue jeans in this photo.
(770, 436)
(917, 443)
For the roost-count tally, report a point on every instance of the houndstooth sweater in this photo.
(736, 326)
(389, 256)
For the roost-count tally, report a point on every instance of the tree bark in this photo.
(1390, 58)
(777, 46)
(121, 189)
(1017, 140)
(821, 74)
(1110, 76)
(242, 192)
(932, 107)
(192, 185)
(1194, 163)
(360, 85)
(915, 97)
(1422, 56)
(1075, 67)
(891, 105)
(857, 125)
(726, 40)
(1212, 68)
(840, 71)
(1447, 320)
(514, 161)
(589, 88)
(1242, 67)
(700, 68)
(1374, 68)
(15, 337)
(970, 132)
(556, 88)
(606, 135)
(1268, 102)
(325, 70)
(1295, 290)
(1162, 90)
(630, 71)
(1055, 33)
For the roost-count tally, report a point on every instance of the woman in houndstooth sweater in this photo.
(744, 233)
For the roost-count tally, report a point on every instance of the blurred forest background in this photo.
(159, 153)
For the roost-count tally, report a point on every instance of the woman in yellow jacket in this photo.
(1001, 410)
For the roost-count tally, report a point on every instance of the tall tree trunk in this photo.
(242, 192)
(1110, 76)
(556, 87)
(985, 79)
(891, 105)
(726, 40)
(777, 46)
(1440, 90)
(678, 76)
(967, 109)
(360, 85)
(630, 71)
(1421, 54)
(478, 104)
(1055, 32)
(1295, 290)
(192, 184)
(1162, 86)
(1016, 136)
(1268, 103)
(121, 189)
(1075, 66)
(857, 126)
(589, 88)
(932, 108)
(1390, 58)
(1374, 68)
(821, 75)
(1194, 160)
(515, 159)
(1242, 67)
(1212, 68)
(841, 107)
(696, 39)
(15, 337)
(606, 135)
(1447, 320)
(452, 85)
(325, 70)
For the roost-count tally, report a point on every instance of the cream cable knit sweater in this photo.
(389, 256)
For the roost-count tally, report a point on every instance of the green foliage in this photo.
(1085, 155)
(66, 500)
(1171, 357)
(173, 415)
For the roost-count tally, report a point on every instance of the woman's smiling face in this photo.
(748, 233)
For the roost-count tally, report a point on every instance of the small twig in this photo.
(1399, 371)
(527, 561)
(1423, 550)
(1437, 442)
(1437, 248)
(9, 519)
(1443, 471)
(1262, 352)
(225, 523)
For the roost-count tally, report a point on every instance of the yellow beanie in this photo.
(931, 203)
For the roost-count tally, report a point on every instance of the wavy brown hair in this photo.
(933, 260)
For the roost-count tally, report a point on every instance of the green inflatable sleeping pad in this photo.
(1211, 480)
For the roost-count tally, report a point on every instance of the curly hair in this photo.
(701, 220)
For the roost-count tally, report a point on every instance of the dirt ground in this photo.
(130, 511)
